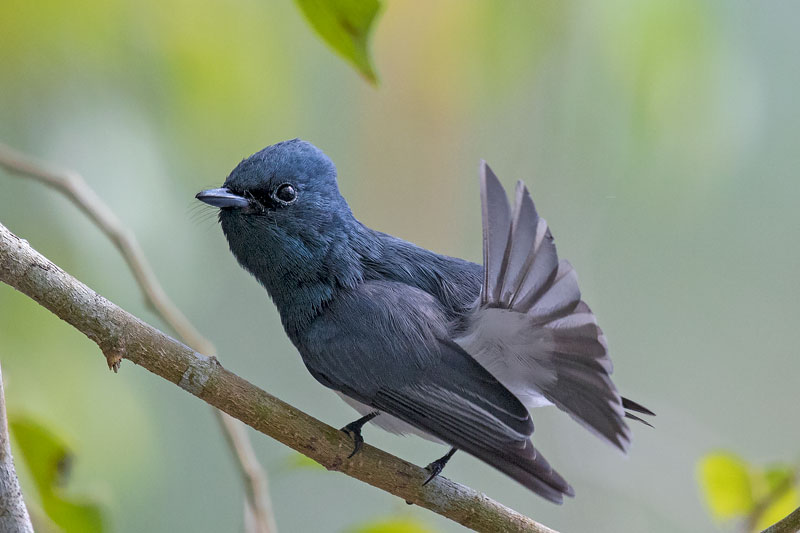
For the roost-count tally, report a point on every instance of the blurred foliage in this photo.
(48, 461)
(298, 461)
(735, 489)
(725, 479)
(662, 52)
(659, 138)
(346, 26)
(393, 525)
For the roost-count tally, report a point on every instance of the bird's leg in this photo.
(354, 430)
(436, 467)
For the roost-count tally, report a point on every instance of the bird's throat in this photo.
(300, 275)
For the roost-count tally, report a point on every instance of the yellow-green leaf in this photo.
(47, 459)
(346, 26)
(394, 525)
(727, 486)
(779, 478)
(301, 462)
(780, 508)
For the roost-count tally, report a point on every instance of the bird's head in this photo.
(282, 213)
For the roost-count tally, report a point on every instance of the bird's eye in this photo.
(286, 193)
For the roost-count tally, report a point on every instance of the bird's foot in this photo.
(354, 430)
(436, 467)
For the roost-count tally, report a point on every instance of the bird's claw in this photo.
(435, 468)
(353, 429)
(355, 434)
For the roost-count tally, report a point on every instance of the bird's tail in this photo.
(630, 405)
(515, 456)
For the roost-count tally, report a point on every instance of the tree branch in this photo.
(13, 513)
(74, 187)
(121, 335)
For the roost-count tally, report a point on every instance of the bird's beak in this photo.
(222, 198)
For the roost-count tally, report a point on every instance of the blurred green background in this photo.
(659, 138)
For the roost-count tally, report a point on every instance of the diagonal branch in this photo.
(74, 187)
(121, 335)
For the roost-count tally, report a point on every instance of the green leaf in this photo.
(393, 525)
(780, 508)
(779, 478)
(298, 461)
(346, 26)
(727, 485)
(47, 459)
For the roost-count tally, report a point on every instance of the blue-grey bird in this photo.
(418, 342)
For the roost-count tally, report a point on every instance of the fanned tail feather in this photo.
(558, 348)
(630, 405)
(633, 406)
(634, 417)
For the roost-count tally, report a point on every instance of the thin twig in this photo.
(74, 187)
(121, 335)
(13, 513)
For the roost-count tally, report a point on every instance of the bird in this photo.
(418, 342)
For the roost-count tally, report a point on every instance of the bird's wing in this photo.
(530, 328)
(384, 344)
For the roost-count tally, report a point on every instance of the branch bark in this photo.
(258, 509)
(121, 335)
(13, 513)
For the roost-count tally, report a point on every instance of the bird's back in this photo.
(454, 283)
